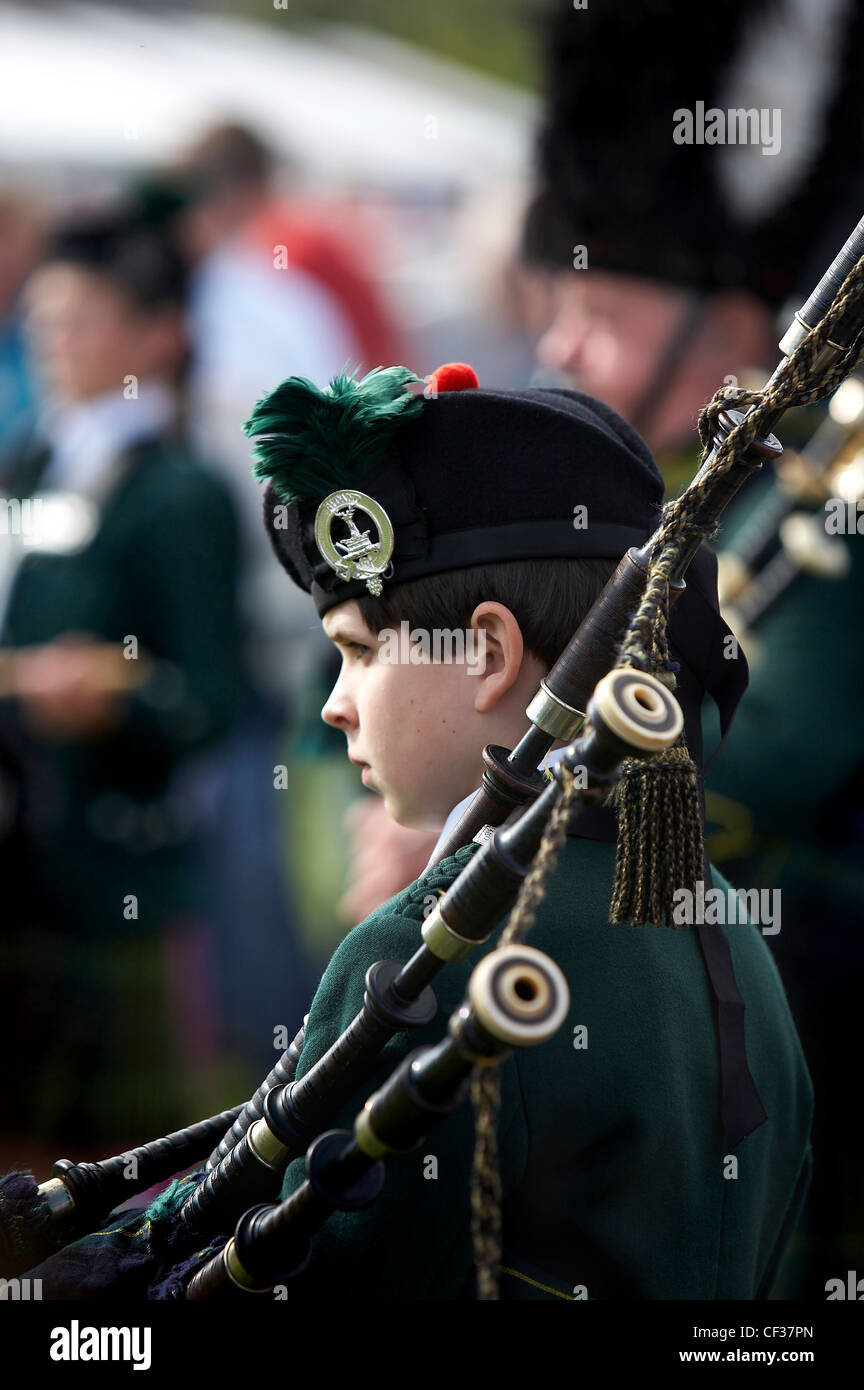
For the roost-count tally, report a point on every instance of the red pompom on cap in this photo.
(453, 376)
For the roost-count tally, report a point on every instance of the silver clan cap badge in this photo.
(357, 555)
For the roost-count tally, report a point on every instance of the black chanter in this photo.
(281, 1075)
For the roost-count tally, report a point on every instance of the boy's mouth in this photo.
(365, 769)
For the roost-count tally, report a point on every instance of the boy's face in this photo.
(88, 336)
(418, 730)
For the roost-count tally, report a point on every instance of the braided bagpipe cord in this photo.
(485, 1083)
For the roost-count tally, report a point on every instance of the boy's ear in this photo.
(498, 640)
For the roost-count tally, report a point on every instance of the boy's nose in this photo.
(339, 711)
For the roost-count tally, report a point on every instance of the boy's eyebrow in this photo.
(339, 637)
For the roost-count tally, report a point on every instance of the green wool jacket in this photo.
(800, 717)
(783, 797)
(617, 1182)
(162, 567)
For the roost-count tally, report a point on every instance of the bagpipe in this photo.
(609, 698)
(788, 533)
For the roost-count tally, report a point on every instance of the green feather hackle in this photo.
(310, 442)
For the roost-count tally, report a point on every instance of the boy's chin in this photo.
(408, 815)
(398, 811)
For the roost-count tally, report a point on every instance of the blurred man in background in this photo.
(255, 318)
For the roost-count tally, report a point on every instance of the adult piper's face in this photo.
(418, 728)
(608, 332)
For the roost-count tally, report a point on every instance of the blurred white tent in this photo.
(91, 87)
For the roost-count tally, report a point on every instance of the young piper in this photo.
(498, 517)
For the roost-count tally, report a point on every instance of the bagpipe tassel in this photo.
(27, 1235)
(660, 846)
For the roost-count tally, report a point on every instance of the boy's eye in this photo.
(356, 649)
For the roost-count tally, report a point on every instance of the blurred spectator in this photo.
(255, 319)
(121, 648)
(329, 244)
(20, 238)
(276, 293)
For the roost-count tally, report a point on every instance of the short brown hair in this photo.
(548, 598)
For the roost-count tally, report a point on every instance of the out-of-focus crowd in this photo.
(176, 858)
